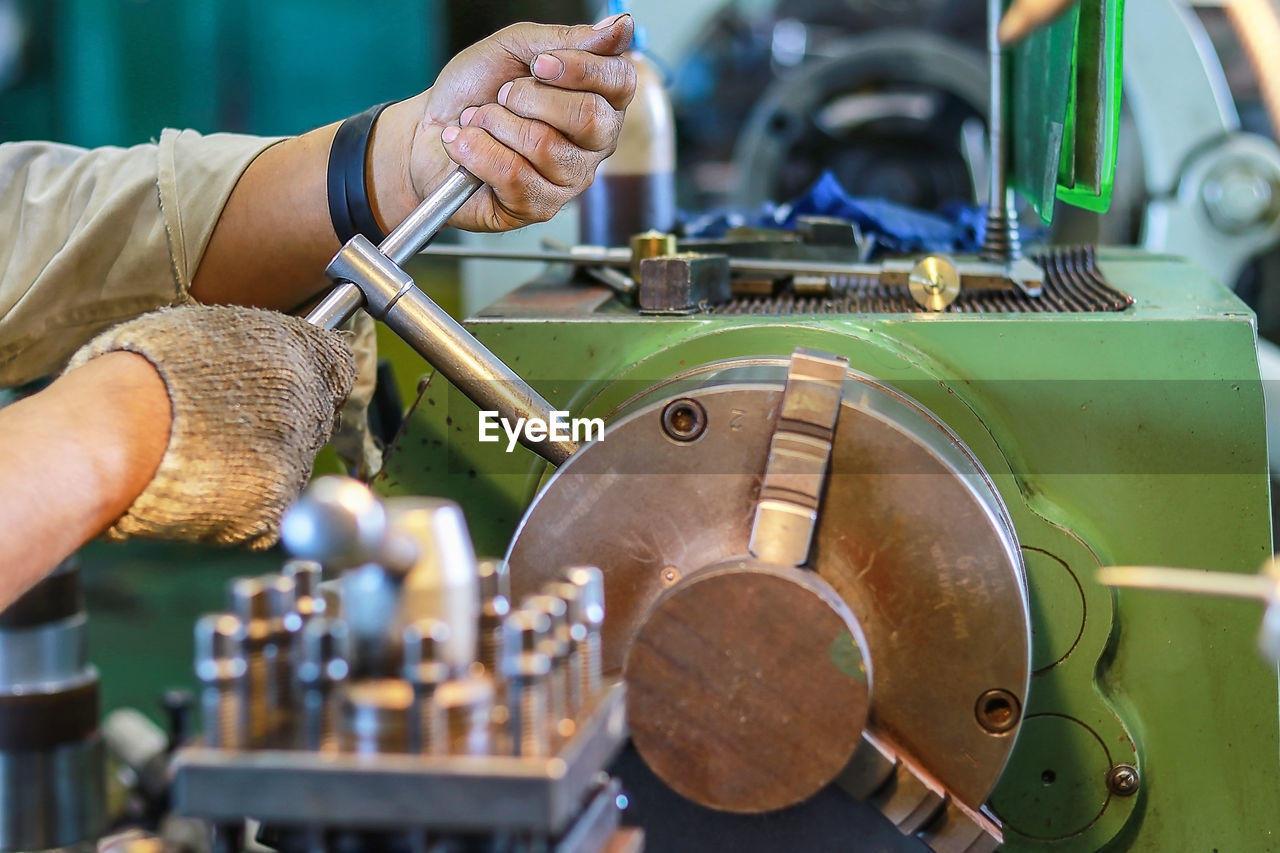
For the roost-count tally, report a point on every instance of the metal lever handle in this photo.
(371, 278)
(406, 240)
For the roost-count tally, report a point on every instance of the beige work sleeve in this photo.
(92, 237)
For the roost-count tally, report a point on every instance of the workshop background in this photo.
(114, 72)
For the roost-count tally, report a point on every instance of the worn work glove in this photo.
(254, 396)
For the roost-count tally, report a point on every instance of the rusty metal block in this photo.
(681, 284)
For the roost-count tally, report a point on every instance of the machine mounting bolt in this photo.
(1123, 780)
(684, 420)
(998, 711)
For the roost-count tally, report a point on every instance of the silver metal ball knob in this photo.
(337, 522)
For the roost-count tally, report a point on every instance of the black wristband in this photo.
(349, 207)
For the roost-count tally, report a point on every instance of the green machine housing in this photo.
(1118, 437)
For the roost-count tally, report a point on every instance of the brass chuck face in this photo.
(747, 689)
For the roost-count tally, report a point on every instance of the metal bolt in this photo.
(684, 420)
(323, 664)
(221, 668)
(590, 580)
(526, 668)
(556, 647)
(251, 603)
(466, 706)
(425, 645)
(998, 711)
(306, 576)
(1123, 780)
(285, 625)
(375, 712)
(495, 604)
(576, 633)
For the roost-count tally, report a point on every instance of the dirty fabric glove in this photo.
(254, 396)
(354, 441)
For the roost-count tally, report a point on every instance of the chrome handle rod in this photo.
(372, 278)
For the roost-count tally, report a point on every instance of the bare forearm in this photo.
(531, 111)
(274, 238)
(79, 453)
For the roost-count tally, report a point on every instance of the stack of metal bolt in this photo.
(387, 637)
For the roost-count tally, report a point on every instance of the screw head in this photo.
(591, 581)
(325, 652)
(306, 576)
(575, 607)
(557, 642)
(426, 643)
(998, 711)
(218, 639)
(1123, 780)
(684, 420)
(523, 635)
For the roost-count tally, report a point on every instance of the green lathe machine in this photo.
(849, 514)
(851, 517)
(969, 448)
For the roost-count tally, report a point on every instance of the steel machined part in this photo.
(799, 452)
(426, 668)
(251, 604)
(1207, 182)
(465, 707)
(915, 803)
(286, 624)
(222, 668)
(590, 580)
(323, 664)
(52, 774)
(681, 284)
(375, 716)
(412, 559)
(442, 582)
(576, 634)
(307, 575)
(525, 669)
(495, 604)
(555, 645)
(484, 793)
(408, 238)
(371, 277)
(339, 523)
(905, 507)
(1000, 241)
(733, 706)
(69, 821)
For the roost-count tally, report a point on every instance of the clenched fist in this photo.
(531, 111)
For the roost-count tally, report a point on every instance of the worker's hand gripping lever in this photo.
(370, 277)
